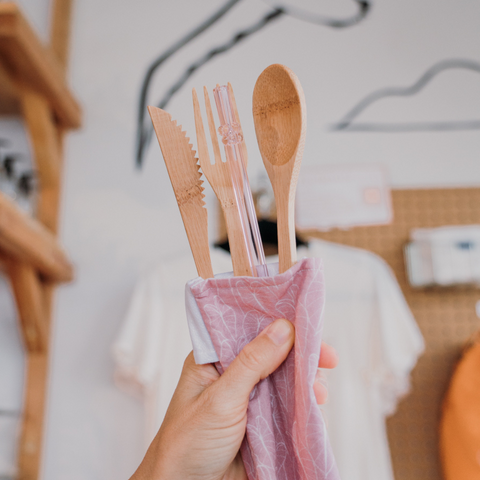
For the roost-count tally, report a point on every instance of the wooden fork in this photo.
(218, 175)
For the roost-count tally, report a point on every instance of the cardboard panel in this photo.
(446, 318)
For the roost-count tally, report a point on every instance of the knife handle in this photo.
(198, 240)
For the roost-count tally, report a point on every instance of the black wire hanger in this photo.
(347, 123)
(144, 128)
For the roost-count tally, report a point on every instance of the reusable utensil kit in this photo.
(285, 435)
(280, 124)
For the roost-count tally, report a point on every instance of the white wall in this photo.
(38, 14)
(117, 222)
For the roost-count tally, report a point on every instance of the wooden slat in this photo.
(3, 263)
(43, 135)
(60, 32)
(9, 99)
(27, 240)
(45, 140)
(30, 450)
(28, 292)
(33, 64)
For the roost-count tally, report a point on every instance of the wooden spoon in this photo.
(280, 117)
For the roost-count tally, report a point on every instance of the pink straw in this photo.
(232, 138)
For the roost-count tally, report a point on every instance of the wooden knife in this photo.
(183, 170)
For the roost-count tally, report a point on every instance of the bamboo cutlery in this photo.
(220, 178)
(185, 177)
(280, 124)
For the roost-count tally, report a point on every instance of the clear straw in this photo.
(232, 138)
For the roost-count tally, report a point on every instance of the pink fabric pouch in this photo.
(286, 437)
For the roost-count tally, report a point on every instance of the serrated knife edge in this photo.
(185, 177)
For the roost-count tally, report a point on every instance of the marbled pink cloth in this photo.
(286, 437)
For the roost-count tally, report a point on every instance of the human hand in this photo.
(205, 423)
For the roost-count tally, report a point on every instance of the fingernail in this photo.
(279, 331)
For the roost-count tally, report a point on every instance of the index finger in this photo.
(328, 356)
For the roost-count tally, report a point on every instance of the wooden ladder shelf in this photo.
(32, 84)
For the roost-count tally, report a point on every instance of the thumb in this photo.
(258, 359)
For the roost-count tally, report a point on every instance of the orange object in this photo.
(460, 423)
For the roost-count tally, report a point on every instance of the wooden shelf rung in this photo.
(33, 419)
(9, 98)
(27, 240)
(30, 62)
(30, 300)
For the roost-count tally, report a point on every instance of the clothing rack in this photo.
(32, 84)
(446, 317)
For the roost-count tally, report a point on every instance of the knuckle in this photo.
(188, 363)
(212, 402)
(208, 400)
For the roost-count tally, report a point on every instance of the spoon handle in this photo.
(287, 247)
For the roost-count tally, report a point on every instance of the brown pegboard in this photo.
(446, 318)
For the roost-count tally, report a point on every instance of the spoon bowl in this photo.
(279, 115)
(277, 112)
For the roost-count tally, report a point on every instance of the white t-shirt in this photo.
(366, 318)
(370, 325)
(154, 339)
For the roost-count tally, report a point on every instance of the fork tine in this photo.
(211, 127)
(203, 155)
(243, 146)
(234, 103)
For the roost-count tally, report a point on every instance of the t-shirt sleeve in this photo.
(398, 341)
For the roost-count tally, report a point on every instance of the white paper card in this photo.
(454, 255)
(342, 196)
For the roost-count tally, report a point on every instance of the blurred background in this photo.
(393, 106)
